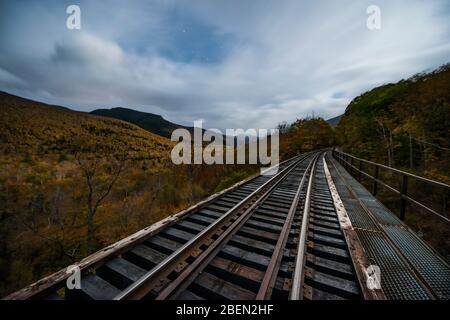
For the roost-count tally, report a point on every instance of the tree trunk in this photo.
(410, 152)
(391, 146)
(90, 232)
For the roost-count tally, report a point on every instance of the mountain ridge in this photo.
(148, 121)
(35, 128)
(335, 120)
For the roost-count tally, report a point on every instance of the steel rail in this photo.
(56, 281)
(50, 284)
(271, 273)
(297, 282)
(184, 280)
(143, 286)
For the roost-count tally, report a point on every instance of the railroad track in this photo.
(273, 237)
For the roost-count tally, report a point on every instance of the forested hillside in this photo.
(71, 183)
(405, 125)
(36, 131)
(305, 135)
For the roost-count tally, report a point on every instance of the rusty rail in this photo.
(298, 279)
(51, 283)
(241, 245)
(143, 286)
(271, 273)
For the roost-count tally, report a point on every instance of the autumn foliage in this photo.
(305, 135)
(72, 183)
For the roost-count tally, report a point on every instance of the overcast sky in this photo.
(243, 63)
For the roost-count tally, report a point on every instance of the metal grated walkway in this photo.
(410, 269)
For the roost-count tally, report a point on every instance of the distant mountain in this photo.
(148, 121)
(334, 121)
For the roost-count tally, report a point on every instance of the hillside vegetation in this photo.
(305, 135)
(32, 129)
(406, 125)
(72, 183)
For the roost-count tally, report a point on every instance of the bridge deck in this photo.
(410, 268)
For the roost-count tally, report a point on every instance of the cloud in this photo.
(232, 63)
(83, 49)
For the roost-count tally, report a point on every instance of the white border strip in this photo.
(357, 252)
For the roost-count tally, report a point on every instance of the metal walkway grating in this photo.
(358, 216)
(397, 280)
(435, 272)
(381, 213)
(392, 245)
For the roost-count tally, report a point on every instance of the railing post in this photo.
(359, 170)
(352, 169)
(445, 204)
(375, 182)
(403, 191)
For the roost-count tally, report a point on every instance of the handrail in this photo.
(348, 160)
(437, 183)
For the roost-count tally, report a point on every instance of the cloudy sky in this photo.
(233, 63)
